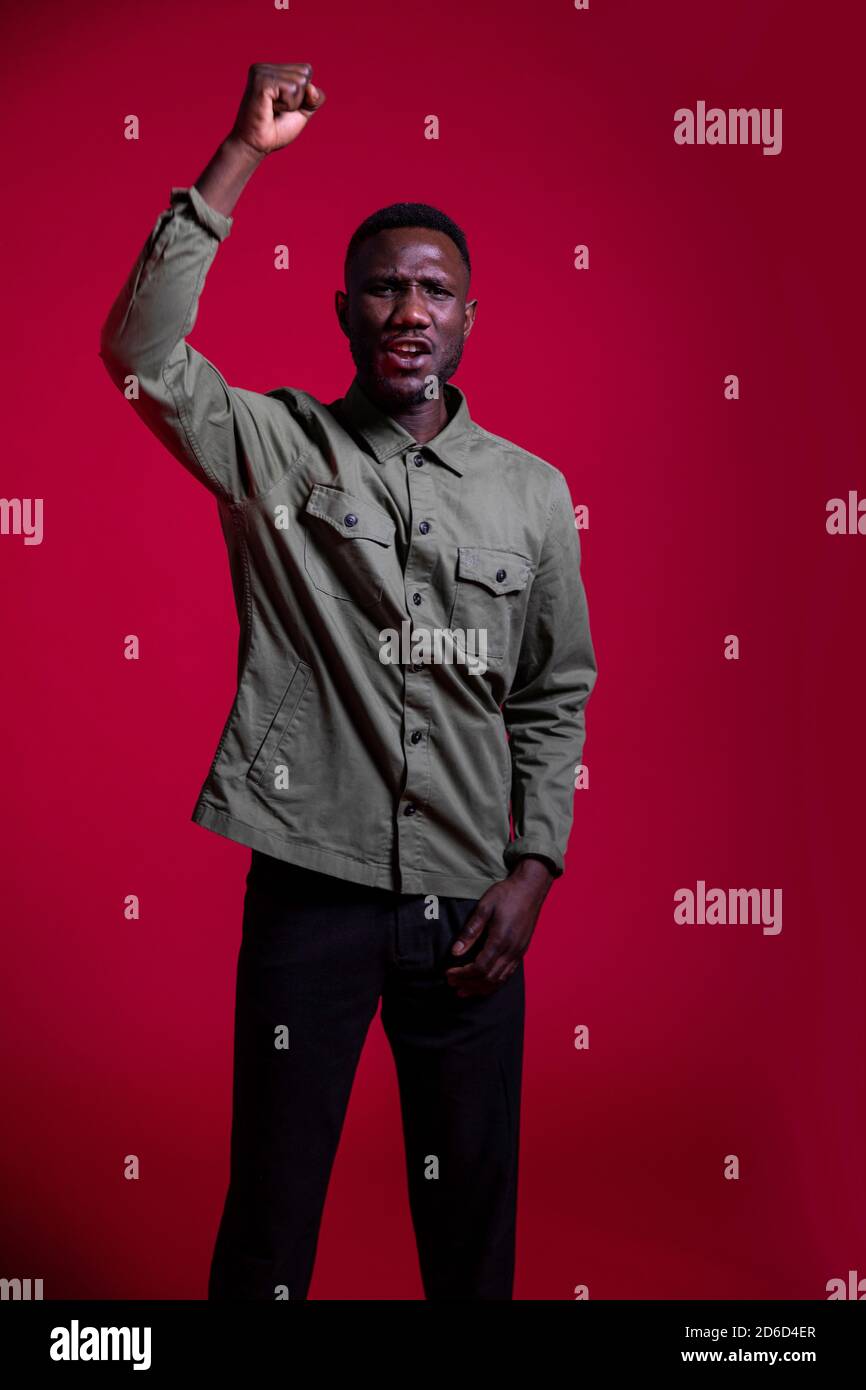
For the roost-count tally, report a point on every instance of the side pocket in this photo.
(280, 724)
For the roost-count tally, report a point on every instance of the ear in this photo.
(341, 304)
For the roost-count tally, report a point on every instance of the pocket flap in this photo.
(351, 516)
(500, 571)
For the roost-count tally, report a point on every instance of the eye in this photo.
(389, 286)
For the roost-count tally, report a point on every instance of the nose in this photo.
(411, 307)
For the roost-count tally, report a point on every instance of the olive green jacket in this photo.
(402, 608)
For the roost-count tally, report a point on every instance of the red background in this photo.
(707, 517)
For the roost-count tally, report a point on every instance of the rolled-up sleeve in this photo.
(545, 710)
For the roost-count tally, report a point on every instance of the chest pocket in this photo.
(348, 545)
(489, 595)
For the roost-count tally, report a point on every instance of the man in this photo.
(409, 593)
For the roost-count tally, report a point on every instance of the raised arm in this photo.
(179, 394)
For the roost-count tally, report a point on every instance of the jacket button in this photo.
(416, 736)
(418, 460)
(409, 810)
(417, 665)
(501, 575)
(350, 519)
(416, 598)
(423, 527)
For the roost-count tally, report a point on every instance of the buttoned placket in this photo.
(418, 676)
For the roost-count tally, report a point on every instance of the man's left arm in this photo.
(545, 716)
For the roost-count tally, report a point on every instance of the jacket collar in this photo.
(386, 438)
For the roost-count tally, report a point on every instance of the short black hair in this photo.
(407, 215)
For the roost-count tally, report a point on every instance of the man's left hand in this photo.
(507, 914)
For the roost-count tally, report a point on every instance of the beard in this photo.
(402, 391)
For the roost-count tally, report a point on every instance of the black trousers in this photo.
(317, 955)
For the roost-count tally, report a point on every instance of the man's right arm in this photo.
(179, 394)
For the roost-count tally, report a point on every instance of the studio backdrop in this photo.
(663, 206)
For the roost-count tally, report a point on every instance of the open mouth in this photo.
(406, 354)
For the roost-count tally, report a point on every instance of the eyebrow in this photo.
(444, 282)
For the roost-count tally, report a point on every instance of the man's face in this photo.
(406, 283)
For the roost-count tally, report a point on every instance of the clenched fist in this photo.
(278, 101)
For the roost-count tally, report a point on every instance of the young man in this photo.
(408, 589)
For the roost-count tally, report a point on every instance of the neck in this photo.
(423, 419)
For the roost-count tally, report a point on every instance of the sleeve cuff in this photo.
(213, 221)
(518, 849)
